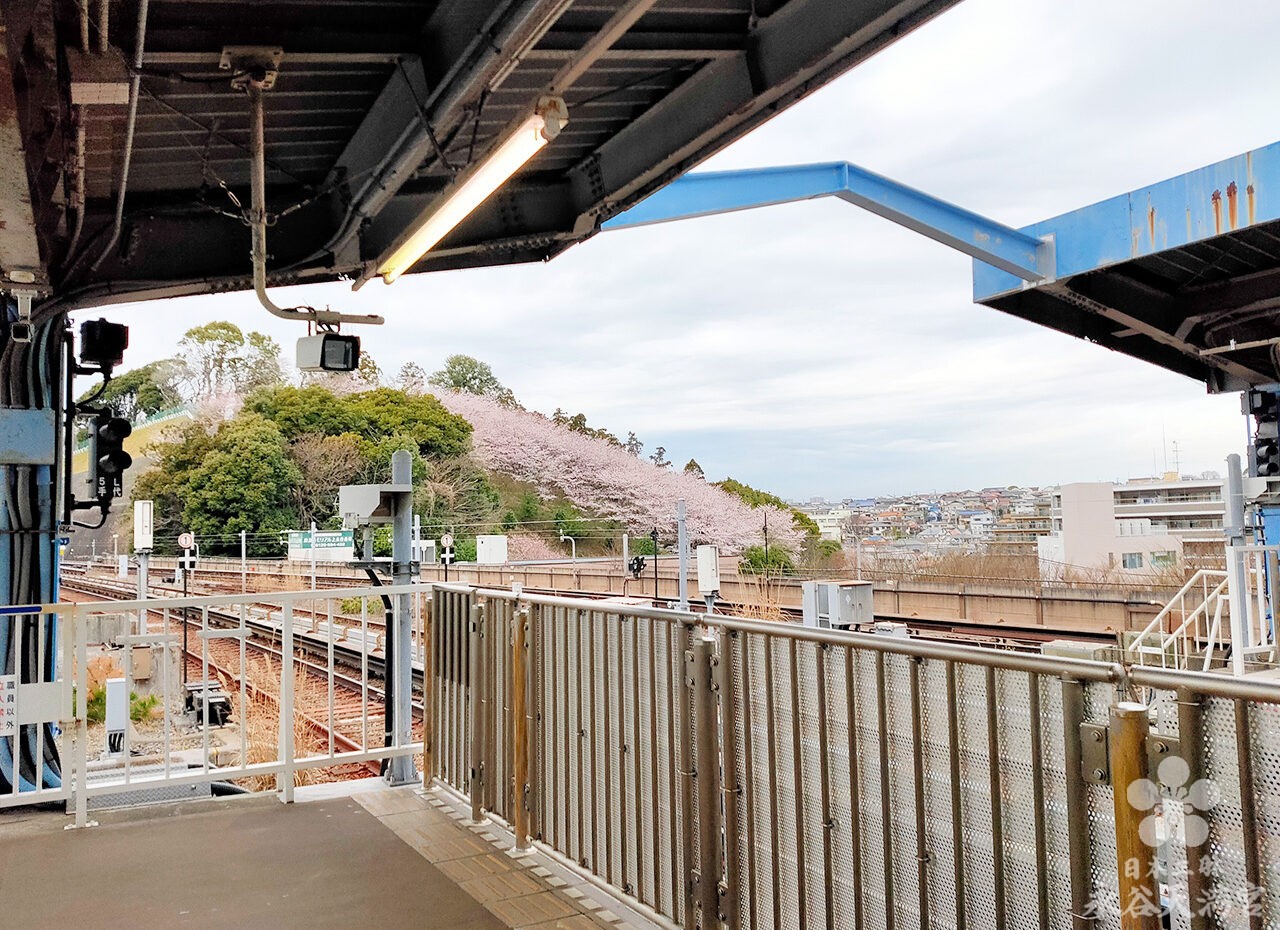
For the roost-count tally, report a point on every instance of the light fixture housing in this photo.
(475, 185)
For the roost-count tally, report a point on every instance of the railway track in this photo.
(357, 711)
(1018, 637)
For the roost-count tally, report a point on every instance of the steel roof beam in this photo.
(727, 191)
(789, 55)
(19, 241)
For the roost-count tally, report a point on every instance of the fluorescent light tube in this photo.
(475, 185)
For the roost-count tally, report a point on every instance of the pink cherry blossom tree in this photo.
(606, 480)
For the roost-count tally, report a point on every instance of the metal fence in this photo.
(299, 674)
(727, 772)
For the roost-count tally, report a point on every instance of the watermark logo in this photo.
(1184, 803)
(1178, 814)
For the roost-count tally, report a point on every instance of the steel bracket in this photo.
(1160, 748)
(1095, 753)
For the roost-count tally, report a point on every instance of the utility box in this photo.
(837, 605)
(1075, 649)
(491, 550)
(425, 552)
(708, 570)
(891, 628)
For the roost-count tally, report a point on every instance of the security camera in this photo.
(328, 352)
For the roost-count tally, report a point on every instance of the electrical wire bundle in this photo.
(29, 375)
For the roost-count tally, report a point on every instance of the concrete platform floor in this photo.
(359, 856)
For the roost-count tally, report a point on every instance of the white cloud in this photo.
(813, 349)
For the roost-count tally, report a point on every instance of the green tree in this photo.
(411, 379)
(386, 411)
(692, 467)
(218, 357)
(641, 545)
(142, 391)
(374, 416)
(800, 520)
(472, 376)
(168, 481)
(569, 520)
(777, 561)
(528, 510)
(244, 484)
(305, 411)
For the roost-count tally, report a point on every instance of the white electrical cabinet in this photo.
(837, 605)
(708, 570)
(491, 550)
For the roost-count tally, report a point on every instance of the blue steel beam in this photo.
(1023, 255)
(1233, 194)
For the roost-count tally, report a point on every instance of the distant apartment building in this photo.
(1019, 531)
(1138, 527)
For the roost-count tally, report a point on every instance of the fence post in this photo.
(729, 774)
(704, 882)
(284, 781)
(1077, 804)
(429, 710)
(79, 775)
(475, 707)
(1191, 742)
(1139, 899)
(520, 728)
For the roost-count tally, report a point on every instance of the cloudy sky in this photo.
(814, 350)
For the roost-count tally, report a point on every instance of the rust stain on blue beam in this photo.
(1220, 198)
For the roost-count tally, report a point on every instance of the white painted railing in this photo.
(301, 675)
(1197, 628)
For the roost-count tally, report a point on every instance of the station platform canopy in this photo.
(136, 140)
(1184, 273)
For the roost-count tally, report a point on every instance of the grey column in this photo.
(401, 768)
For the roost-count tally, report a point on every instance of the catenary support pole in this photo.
(244, 564)
(1237, 575)
(313, 554)
(401, 769)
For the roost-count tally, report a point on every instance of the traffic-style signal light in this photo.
(107, 458)
(637, 566)
(1264, 407)
(1266, 456)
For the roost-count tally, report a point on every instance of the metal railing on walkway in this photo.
(1197, 630)
(289, 682)
(724, 772)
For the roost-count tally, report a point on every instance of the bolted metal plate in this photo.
(1159, 748)
(1095, 764)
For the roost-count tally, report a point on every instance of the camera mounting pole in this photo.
(255, 71)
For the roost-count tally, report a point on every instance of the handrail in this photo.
(1182, 592)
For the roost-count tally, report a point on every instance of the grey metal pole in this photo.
(401, 769)
(144, 563)
(654, 537)
(682, 548)
(244, 566)
(1238, 581)
(313, 555)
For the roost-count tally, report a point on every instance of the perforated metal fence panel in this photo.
(606, 697)
(451, 656)
(868, 783)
